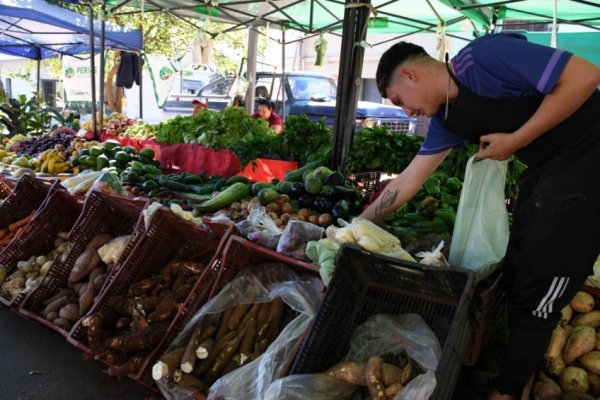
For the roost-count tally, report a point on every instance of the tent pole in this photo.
(38, 80)
(251, 68)
(283, 85)
(354, 31)
(102, 62)
(92, 65)
(141, 91)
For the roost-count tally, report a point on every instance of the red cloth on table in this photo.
(267, 170)
(196, 158)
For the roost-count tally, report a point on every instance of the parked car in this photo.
(307, 93)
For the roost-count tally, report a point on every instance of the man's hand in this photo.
(498, 146)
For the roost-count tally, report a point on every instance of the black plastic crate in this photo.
(365, 284)
(368, 182)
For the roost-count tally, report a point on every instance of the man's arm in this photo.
(404, 186)
(576, 83)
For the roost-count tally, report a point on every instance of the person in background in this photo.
(199, 104)
(266, 112)
(542, 104)
(239, 101)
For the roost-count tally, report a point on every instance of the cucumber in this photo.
(220, 184)
(297, 175)
(176, 186)
(236, 179)
(206, 188)
(233, 193)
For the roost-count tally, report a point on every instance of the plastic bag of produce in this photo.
(435, 257)
(384, 335)
(81, 183)
(112, 251)
(480, 234)
(260, 284)
(295, 237)
(323, 252)
(260, 228)
(109, 182)
(594, 280)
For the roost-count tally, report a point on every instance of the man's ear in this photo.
(407, 73)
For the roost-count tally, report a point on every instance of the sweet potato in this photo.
(557, 342)
(86, 300)
(582, 302)
(131, 366)
(574, 379)
(85, 263)
(591, 318)
(581, 341)
(591, 361)
(144, 286)
(575, 396)
(594, 384)
(546, 391)
(56, 305)
(557, 366)
(70, 312)
(52, 316)
(187, 268)
(165, 310)
(138, 341)
(354, 373)
(566, 314)
(62, 323)
(99, 241)
(374, 378)
(167, 364)
(98, 283)
(122, 324)
(97, 272)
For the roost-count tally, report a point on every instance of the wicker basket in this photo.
(27, 196)
(58, 214)
(102, 213)
(7, 184)
(167, 238)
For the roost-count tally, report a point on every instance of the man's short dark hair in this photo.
(394, 56)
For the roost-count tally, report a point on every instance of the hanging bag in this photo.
(480, 234)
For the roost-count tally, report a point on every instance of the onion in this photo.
(325, 220)
(314, 219)
(304, 212)
(286, 208)
(272, 207)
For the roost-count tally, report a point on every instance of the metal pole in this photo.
(352, 54)
(283, 83)
(141, 90)
(251, 68)
(38, 79)
(92, 65)
(102, 63)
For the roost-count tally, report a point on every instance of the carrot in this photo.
(7, 239)
(374, 378)
(3, 233)
(20, 223)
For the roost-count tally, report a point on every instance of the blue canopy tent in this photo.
(37, 30)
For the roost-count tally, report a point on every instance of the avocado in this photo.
(267, 195)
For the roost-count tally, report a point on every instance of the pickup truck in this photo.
(305, 93)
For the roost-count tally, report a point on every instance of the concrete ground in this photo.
(38, 363)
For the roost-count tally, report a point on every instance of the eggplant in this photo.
(306, 201)
(341, 209)
(322, 204)
(298, 189)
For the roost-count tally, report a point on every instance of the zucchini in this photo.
(233, 193)
(258, 186)
(206, 188)
(193, 179)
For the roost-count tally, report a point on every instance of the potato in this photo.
(594, 384)
(581, 341)
(568, 329)
(591, 361)
(41, 260)
(566, 314)
(52, 316)
(85, 263)
(597, 347)
(557, 342)
(582, 302)
(574, 379)
(591, 318)
(45, 267)
(63, 323)
(546, 391)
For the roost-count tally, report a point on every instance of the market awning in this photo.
(387, 16)
(37, 30)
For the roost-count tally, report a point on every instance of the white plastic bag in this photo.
(81, 183)
(480, 234)
(382, 334)
(435, 258)
(258, 284)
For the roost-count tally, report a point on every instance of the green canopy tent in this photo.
(355, 17)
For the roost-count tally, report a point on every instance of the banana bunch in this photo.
(52, 162)
(88, 126)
